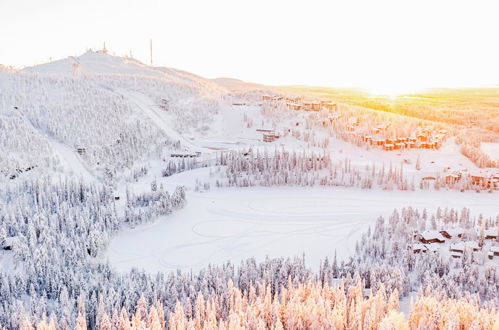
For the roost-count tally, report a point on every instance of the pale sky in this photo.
(351, 43)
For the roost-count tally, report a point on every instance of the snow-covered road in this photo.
(238, 223)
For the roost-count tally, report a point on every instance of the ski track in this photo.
(154, 113)
(236, 224)
(67, 155)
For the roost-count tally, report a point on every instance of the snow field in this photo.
(238, 223)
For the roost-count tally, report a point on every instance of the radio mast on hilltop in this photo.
(150, 48)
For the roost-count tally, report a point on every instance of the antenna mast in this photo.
(150, 48)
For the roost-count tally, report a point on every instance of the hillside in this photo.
(120, 110)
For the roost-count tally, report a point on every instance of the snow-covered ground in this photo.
(239, 223)
(491, 149)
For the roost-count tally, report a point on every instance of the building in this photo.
(389, 146)
(491, 233)
(431, 236)
(457, 248)
(452, 232)
(418, 248)
(295, 106)
(270, 137)
(81, 151)
(184, 155)
(330, 106)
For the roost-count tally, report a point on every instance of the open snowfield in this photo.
(238, 223)
(491, 149)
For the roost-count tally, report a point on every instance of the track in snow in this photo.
(239, 223)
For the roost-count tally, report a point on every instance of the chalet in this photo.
(431, 236)
(312, 106)
(184, 155)
(452, 232)
(295, 106)
(81, 151)
(456, 255)
(367, 138)
(265, 130)
(389, 146)
(330, 106)
(457, 248)
(429, 178)
(418, 248)
(453, 177)
(379, 142)
(267, 97)
(399, 146)
(494, 250)
(270, 137)
(491, 233)
(410, 144)
(477, 179)
(422, 137)
(490, 254)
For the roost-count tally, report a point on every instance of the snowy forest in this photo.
(98, 146)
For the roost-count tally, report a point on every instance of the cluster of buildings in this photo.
(269, 135)
(433, 241)
(423, 140)
(298, 104)
(487, 178)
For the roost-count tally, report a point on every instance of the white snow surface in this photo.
(491, 149)
(238, 223)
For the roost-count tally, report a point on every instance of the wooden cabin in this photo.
(81, 151)
(330, 106)
(184, 155)
(457, 248)
(432, 236)
(452, 233)
(270, 137)
(491, 233)
(418, 248)
(389, 146)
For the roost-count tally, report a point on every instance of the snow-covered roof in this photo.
(418, 246)
(457, 247)
(491, 232)
(454, 231)
(494, 249)
(472, 245)
(432, 234)
(433, 247)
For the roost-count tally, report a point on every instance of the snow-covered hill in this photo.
(120, 110)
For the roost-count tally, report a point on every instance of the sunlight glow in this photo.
(391, 92)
